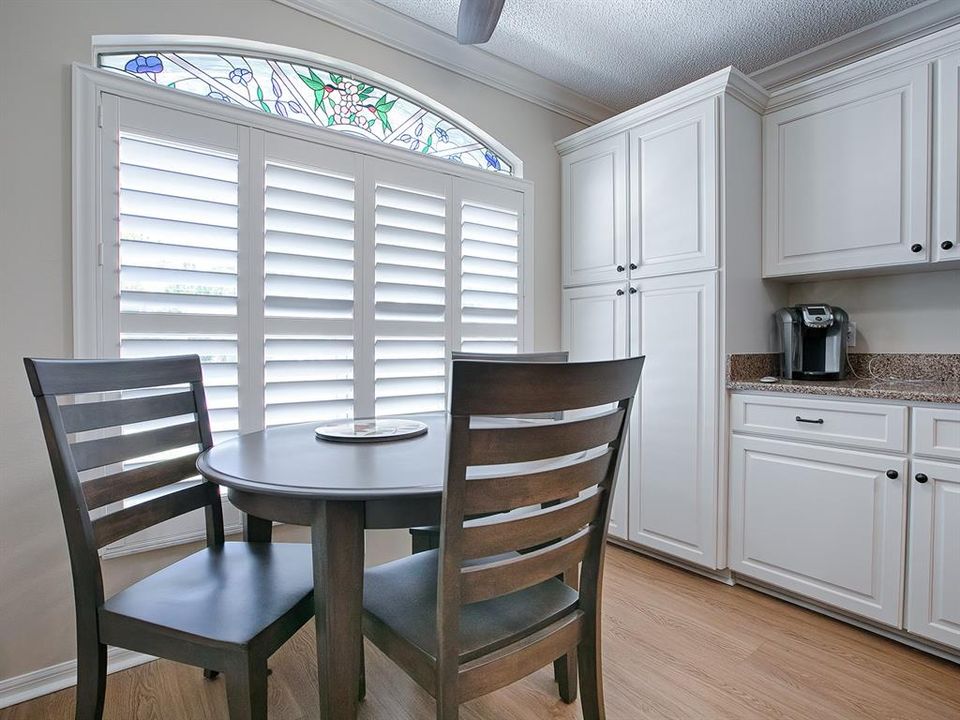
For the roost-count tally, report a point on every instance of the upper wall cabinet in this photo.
(594, 217)
(673, 192)
(946, 214)
(846, 177)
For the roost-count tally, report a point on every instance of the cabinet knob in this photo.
(946, 245)
(633, 266)
(620, 268)
(620, 291)
(633, 291)
(920, 478)
(916, 247)
(893, 474)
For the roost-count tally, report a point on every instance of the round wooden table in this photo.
(287, 474)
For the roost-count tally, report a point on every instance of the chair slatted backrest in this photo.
(168, 402)
(573, 494)
(559, 356)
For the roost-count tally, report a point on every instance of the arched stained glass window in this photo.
(310, 94)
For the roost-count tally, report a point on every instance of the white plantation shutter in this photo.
(410, 292)
(309, 261)
(177, 246)
(315, 284)
(489, 234)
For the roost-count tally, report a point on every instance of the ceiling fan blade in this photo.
(477, 20)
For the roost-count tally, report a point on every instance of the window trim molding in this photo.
(106, 44)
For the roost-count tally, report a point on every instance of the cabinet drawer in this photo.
(936, 432)
(866, 425)
(821, 522)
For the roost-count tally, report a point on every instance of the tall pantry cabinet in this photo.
(661, 255)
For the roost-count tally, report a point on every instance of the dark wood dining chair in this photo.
(428, 537)
(225, 608)
(478, 614)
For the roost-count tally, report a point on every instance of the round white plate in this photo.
(379, 430)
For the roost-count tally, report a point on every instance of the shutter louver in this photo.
(489, 279)
(410, 301)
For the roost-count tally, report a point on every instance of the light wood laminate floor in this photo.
(675, 646)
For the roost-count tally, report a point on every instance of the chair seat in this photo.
(402, 595)
(227, 594)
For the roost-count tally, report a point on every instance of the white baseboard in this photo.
(62, 675)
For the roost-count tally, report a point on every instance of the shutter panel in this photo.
(309, 259)
(178, 255)
(490, 222)
(410, 246)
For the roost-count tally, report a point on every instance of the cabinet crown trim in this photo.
(729, 80)
(917, 52)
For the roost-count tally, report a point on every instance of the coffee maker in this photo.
(813, 340)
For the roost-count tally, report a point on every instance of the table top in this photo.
(291, 461)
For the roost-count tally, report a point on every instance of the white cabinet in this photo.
(595, 328)
(824, 523)
(872, 426)
(933, 591)
(936, 432)
(673, 192)
(594, 212)
(673, 443)
(595, 322)
(946, 198)
(846, 177)
(666, 495)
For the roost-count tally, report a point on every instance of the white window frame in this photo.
(88, 217)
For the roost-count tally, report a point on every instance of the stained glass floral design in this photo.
(311, 95)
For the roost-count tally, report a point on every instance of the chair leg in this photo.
(448, 708)
(362, 693)
(591, 679)
(210, 674)
(91, 680)
(247, 689)
(565, 674)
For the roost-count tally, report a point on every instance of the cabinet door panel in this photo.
(946, 198)
(933, 593)
(594, 223)
(673, 192)
(673, 473)
(845, 178)
(820, 522)
(595, 328)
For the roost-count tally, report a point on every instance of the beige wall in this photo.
(38, 41)
(918, 312)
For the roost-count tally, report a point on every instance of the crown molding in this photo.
(729, 81)
(886, 34)
(386, 26)
(923, 50)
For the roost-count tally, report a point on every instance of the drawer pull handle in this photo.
(920, 478)
(818, 421)
(893, 474)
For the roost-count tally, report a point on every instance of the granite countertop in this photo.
(910, 377)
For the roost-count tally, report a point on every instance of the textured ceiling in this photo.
(623, 52)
